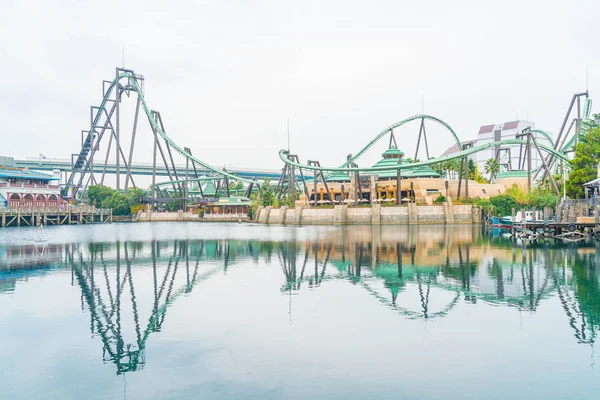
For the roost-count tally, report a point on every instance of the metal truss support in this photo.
(560, 141)
(423, 133)
(133, 133)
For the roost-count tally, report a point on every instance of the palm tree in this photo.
(491, 168)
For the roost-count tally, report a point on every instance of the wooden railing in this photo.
(29, 185)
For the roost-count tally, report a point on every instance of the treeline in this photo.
(502, 204)
(122, 203)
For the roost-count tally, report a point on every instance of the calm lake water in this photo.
(228, 311)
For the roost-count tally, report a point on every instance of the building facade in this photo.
(510, 157)
(420, 184)
(24, 189)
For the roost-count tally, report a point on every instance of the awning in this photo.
(592, 184)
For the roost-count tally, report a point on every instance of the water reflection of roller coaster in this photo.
(126, 306)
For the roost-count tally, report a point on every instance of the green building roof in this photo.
(338, 177)
(512, 174)
(390, 159)
(209, 189)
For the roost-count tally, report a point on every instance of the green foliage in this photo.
(516, 198)
(135, 209)
(236, 187)
(516, 193)
(485, 205)
(289, 201)
(585, 163)
(448, 169)
(121, 203)
(440, 199)
(503, 204)
(96, 194)
(541, 198)
(491, 168)
(475, 174)
(267, 197)
(558, 176)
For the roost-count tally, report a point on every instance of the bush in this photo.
(440, 200)
(485, 205)
(121, 203)
(541, 199)
(503, 204)
(135, 209)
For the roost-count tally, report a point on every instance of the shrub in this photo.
(503, 204)
(440, 199)
(485, 205)
(135, 209)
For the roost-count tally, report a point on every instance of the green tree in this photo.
(96, 194)
(453, 167)
(491, 168)
(439, 167)
(121, 203)
(585, 163)
(267, 197)
(503, 204)
(475, 174)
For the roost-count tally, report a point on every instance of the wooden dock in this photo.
(65, 216)
(568, 227)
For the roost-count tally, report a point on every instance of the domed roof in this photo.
(209, 189)
(338, 177)
(390, 159)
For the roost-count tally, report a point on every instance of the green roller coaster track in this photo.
(163, 135)
(398, 124)
(133, 84)
(460, 154)
(559, 153)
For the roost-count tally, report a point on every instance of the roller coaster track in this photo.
(398, 124)
(459, 154)
(552, 150)
(82, 164)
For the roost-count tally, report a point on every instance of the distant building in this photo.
(508, 155)
(21, 188)
(511, 157)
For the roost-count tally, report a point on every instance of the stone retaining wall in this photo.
(188, 216)
(375, 215)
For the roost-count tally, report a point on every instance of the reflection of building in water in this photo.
(30, 256)
(416, 272)
(450, 270)
(16, 263)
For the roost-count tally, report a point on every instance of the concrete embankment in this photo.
(152, 216)
(375, 215)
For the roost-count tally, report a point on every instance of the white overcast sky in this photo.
(226, 75)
